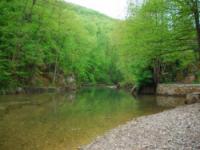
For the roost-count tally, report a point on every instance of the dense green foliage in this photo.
(159, 41)
(44, 41)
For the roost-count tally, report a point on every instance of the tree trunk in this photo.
(197, 22)
(157, 71)
(31, 10)
(55, 70)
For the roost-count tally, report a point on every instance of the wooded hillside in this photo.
(43, 41)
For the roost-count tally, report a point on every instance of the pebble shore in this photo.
(176, 129)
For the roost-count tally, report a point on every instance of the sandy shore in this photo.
(176, 129)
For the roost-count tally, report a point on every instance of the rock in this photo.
(70, 83)
(192, 98)
(70, 79)
(177, 89)
(19, 90)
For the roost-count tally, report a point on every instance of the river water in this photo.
(67, 121)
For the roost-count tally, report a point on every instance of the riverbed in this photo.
(176, 129)
(69, 120)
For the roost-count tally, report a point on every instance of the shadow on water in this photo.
(66, 121)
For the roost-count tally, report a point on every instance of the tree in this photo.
(155, 40)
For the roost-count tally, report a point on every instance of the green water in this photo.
(66, 121)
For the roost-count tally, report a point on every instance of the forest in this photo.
(44, 41)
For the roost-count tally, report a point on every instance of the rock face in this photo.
(192, 98)
(177, 89)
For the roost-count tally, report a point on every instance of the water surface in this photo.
(66, 121)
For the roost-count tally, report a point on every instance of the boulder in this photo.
(70, 83)
(19, 90)
(177, 89)
(192, 98)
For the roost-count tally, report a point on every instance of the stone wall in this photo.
(177, 89)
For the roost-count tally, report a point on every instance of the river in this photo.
(67, 121)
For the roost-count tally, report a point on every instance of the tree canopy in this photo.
(43, 41)
(160, 41)
(50, 39)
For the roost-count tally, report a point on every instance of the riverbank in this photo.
(178, 128)
(177, 89)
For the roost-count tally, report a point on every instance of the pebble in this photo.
(178, 128)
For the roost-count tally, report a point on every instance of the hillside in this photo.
(82, 11)
(42, 42)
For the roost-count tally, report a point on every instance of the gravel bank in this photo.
(177, 129)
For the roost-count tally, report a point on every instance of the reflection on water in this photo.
(170, 101)
(66, 121)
